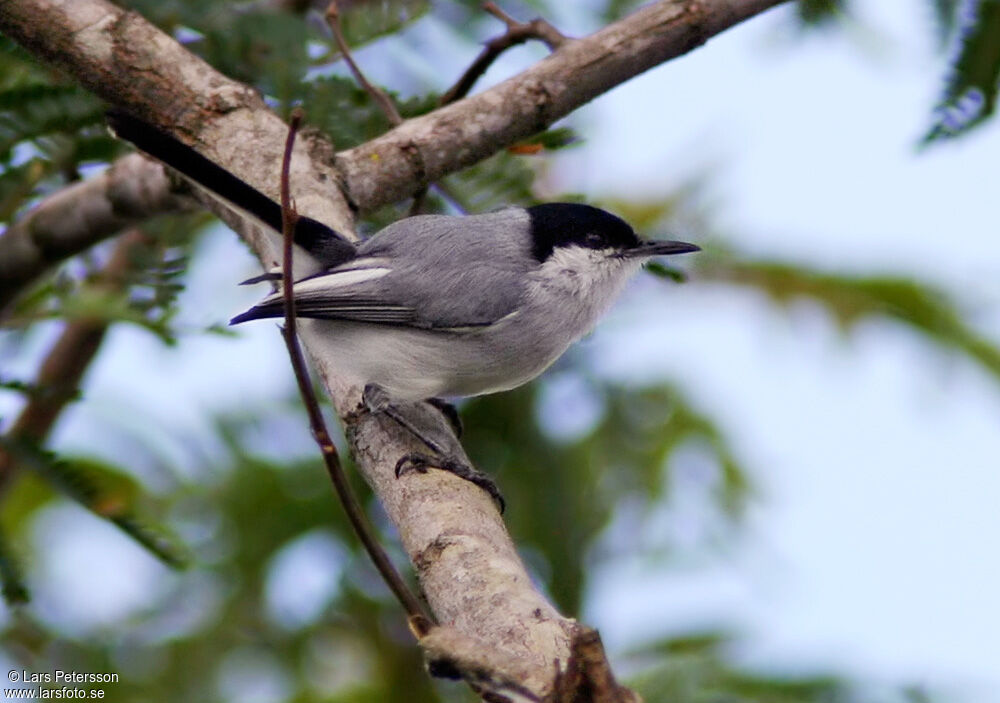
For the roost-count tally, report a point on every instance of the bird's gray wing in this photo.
(428, 272)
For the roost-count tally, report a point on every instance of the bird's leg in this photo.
(378, 401)
(450, 413)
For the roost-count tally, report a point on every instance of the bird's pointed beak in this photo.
(659, 248)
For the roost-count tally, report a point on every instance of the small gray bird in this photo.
(439, 306)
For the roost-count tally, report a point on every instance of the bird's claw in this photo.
(413, 462)
(421, 462)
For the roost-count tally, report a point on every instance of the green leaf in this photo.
(820, 12)
(568, 491)
(155, 539)
(643, 430)
(266, 49)
(343, 111)
(22, 498)
(48, 123)
(18, 67)
(18, 183)
(89, 145)
(945, 12)
(96, 305)
(346, 113)
(103, 489)
(502, 179)
(851, 299)
(971, 86)
(669, 273)
(267, 45)
(551, 140)
(695, 669)
(14, 590)
(365, 22)
(29, 389)
(93, 485)
(648, 216)
(32, 111)
(255, 42)
(616, 9)
(60, 156)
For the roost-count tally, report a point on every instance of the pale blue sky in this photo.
(874, 546)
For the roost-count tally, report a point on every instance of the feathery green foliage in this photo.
(12, 585)
(852, 299)
(945, 12)
(817, 12)
(970, 91)
(146, 297)
(105, 490)
(566, 492)
(48, 130)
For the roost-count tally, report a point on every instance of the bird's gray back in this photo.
(454, 271)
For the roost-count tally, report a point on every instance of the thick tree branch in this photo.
(122, 58)
(132, 190)
(468, 566)
(424, 149)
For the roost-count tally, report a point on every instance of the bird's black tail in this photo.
(322, 242)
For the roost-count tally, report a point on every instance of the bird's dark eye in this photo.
(594, 240)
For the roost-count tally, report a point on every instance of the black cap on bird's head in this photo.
(556, 225)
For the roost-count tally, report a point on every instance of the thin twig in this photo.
(543, 31)
(418, 618)
(549, 34)
(517, 33)
(378, 95)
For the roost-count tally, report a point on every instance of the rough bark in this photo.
(422, 150)
(467, 565)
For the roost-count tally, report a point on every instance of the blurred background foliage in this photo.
(237, 525)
